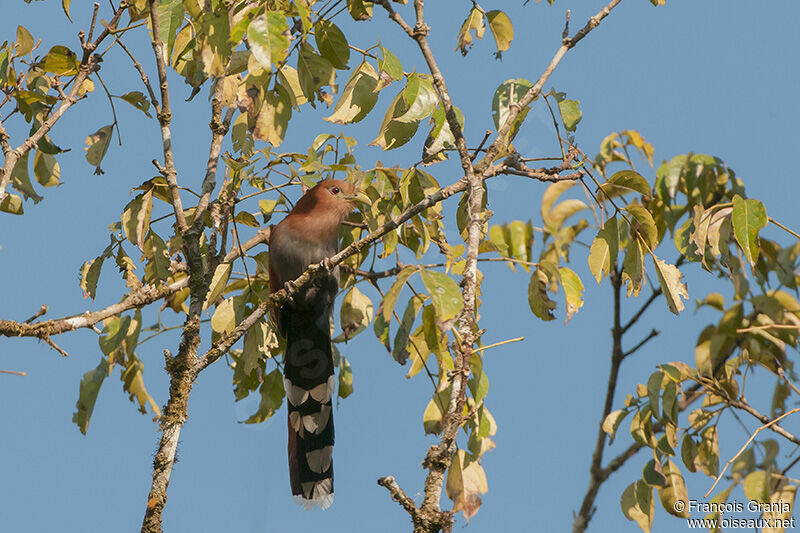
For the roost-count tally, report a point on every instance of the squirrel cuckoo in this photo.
(307, 235)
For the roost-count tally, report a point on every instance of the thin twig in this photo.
(746, 444)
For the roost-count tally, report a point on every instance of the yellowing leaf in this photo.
(273, 118)
(11, 203)
(644, 225)
(133, 384)
(90, 273)
(613, 420)
(61, 61)
(540, 303)
(604, 249)
(502, 29)
(637, 505)
(356, 313)
(268, 36)
(357, 98)
(669, 277)
(136, 218)
(674, 491)
(24, 42)
(466, 481)
(97, 146)
(389, 69)
(573, 291)
(46, 169)
(633, 267)
(474, 24)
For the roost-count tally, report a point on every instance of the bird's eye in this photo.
(335, 190)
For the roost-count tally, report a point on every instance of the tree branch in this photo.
(501, 141)
(89, 63)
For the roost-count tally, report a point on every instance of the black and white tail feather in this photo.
(309, 383)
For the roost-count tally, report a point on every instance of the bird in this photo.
(308, 235)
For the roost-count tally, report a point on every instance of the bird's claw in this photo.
(326, 265)
(290, 288)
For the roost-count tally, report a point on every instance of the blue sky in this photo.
(712, 77)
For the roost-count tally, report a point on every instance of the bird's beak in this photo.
(359, 197)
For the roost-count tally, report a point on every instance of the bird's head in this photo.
(331, 196)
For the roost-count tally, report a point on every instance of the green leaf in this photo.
(11, 204)
(441, 136)
(170, 17)
(420, 99)
(24, 42)
(390, 298)
(89, 275)
(46, 169)
(654, 390)
(345, 378)
(633, 267)
(269, 37)
(756, 486)
(212, 42)
(97, 146)
(625, 181)
(389, 68)
(569, 110)
(652, 474)
(360, 9)
(669, 277)
(138, 100)
(502, 29)
(644, 225)
(604, 249)
(272, 394)
(313, 71)
(674, 491)
(393, 134)
(402, 346)
(445, 294)
(61, 61)
(748, 217)
(357, 98)
(136, 218)
(540, 303)
(21, 180)
(332, 43)
(508, 94)
(87, 395)
(115, 329)
(573, 291)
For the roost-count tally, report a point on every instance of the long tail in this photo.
(309, 384)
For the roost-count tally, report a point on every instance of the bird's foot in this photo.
(291, 288)
(326, 265)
